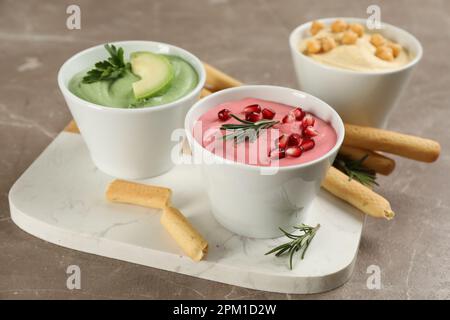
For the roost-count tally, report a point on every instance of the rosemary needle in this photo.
(355, 169)
(299, 242)
(246, 129)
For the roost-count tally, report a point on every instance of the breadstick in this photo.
(393, 142)
(139, 194)
(191, 242)
(357, 195)
(374, 161)
(217, 80)
(72, 127)
(205, 92)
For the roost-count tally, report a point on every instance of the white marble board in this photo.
(60, 198)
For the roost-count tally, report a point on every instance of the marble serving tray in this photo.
(60, 198)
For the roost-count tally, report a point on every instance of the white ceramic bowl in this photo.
(364, 98)
(243, 199)
(129, 143)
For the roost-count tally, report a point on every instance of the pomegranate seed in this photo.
(308, 144)
(294, 140)
(310, 131)
(288, 118)
(277, 154)
(294, 151)
(282, 141)
(308, 120)
(268, 113)
(252, 117)
(252, 108)
(224, 114)
(298, 113)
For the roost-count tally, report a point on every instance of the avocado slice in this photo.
(155, 71)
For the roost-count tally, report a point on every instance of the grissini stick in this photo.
(374, 161)
(205, 92)
(392, 142)
(72, 127)
(217, 80)
(138, 194)
(357, 195)
(180, 229)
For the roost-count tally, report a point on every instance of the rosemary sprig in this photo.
(246, 129)
(299, 242)
(355, 169)
(111, 69)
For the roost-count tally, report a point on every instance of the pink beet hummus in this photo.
(207, 132)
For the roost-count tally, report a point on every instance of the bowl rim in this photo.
(250, 167)
(199, 68)
(293, 43)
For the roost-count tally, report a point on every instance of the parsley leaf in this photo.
(111, 69)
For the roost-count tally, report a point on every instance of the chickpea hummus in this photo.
(362, 53)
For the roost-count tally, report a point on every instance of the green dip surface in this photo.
(119, 93)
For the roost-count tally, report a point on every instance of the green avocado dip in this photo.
(148, 80)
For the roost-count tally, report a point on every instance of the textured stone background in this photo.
(247, 39)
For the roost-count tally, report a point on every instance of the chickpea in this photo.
(357, 28)
(339, 26)
(328, 43)
(313, 46)
(385, 53)
(349, 37)
(396, 48)
(377, 40)
(316, 26)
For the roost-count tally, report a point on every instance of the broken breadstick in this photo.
(191, 242)
(217, 80)
(357, 195)
(392, 142)
(179, 228)
(139, 194)
(374, 161)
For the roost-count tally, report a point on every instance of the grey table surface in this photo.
(247, 39)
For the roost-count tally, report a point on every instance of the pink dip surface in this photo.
(208, 134)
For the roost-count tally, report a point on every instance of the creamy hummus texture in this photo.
(359, 56)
